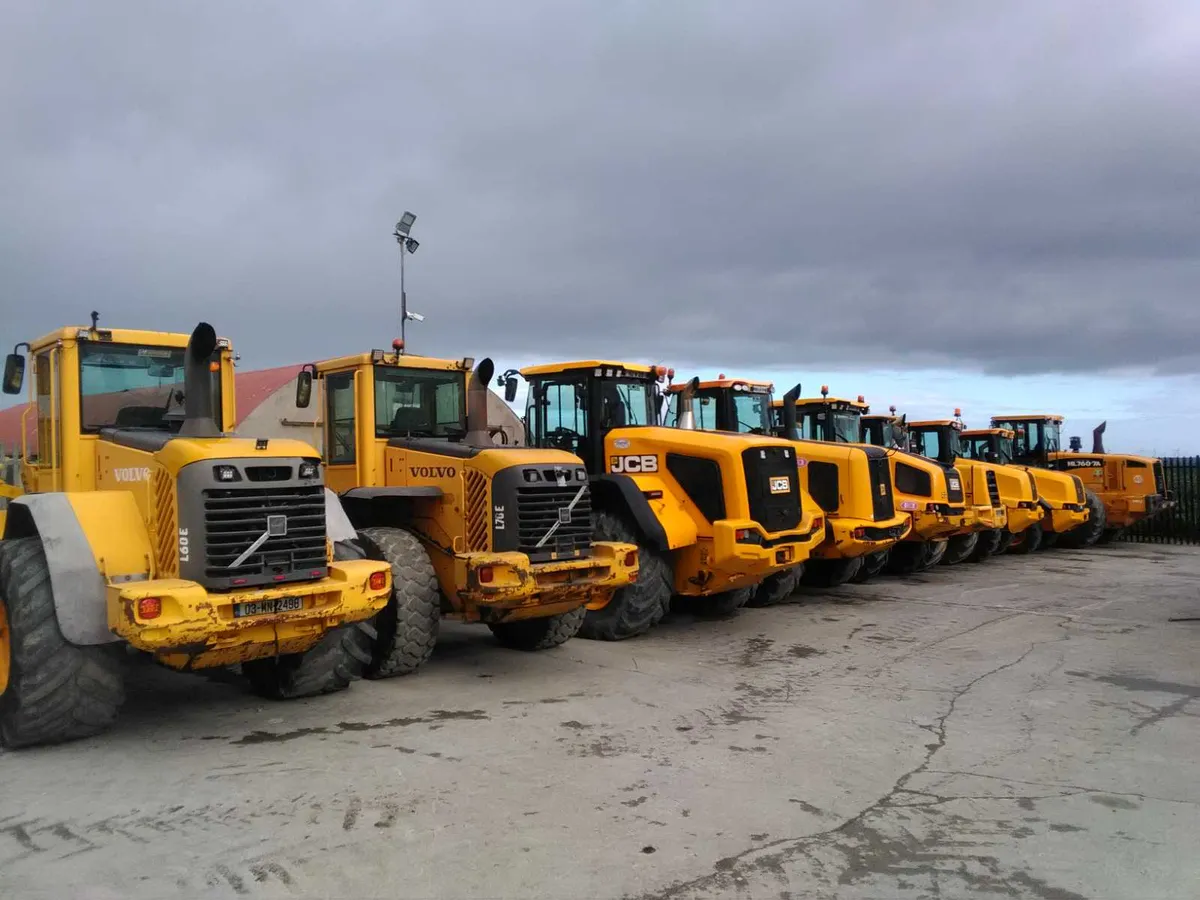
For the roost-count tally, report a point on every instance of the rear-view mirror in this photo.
(510, 388)
(304, 382)
(14, 373)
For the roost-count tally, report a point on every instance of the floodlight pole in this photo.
(403, 295)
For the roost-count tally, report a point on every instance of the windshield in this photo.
(134, 386)
(937, 443)
(704, 411)
(419, 403)
(826, 425)
(1032, 438)
(752, 412)
(894, 435)
(987, 447)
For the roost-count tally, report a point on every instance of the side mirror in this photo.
(14, 373)
(304, 383)
(510, 388)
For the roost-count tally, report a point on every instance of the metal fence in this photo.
(1180, 525)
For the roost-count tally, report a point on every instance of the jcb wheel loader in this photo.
(144, 522)
(714, 514)
(1119, 489)
(928, 494)
(1060, 494)
(852, 484)
(472, 530)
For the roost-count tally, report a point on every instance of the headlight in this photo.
(226, 473)
(309, 469)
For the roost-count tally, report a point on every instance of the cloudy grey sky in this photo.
(972, 187)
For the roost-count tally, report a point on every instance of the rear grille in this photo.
(477, 511)
(1160, 482)
(767, 467)
(234, 518)
(883, 503)
(539, 507)
(954, 488)
(993, 489)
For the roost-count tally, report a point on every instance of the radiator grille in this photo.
(477, 511)
(541, 507)
(234, 518)
(1160, 482)
(166, 558)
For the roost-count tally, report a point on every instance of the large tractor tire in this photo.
(1090, 531)
(1027, 541)
(635, 609)
(325, 668)
(50, 690)
(1110, 535)
(407, 628)
(1049, 540)
(910, 557)
(540, 634)
(937, 552)
(959, 548)
(719, 606)
(776, 588)
(988, 544)
(872, 565)
(829, 573)
(1006, 539)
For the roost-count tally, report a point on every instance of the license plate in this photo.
(267, 607)
(780, 485)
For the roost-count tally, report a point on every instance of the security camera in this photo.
(416, 317)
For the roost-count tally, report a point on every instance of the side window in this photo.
(706, 413)
(563, 409)
(671, 415)
(929, 444)
(446, 401)
(339, 417)
(812, 426)
(49, 417)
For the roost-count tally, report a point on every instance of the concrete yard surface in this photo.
(1026, 727)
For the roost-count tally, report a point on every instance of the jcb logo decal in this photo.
(431, 471)
(781, 485)
(633, 464)
(134, 474)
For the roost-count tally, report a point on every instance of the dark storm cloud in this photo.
(976, 185)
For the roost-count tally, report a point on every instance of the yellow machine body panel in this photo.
(474, 505)
(115, 477)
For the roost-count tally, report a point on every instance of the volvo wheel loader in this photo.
(1009, 493)
(1119, 489)
(143, 522)
(472, 530)
(1060, 494)
(929, 493)
(852, 484)
(714, 514)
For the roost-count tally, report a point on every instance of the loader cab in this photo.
(1034, 437)
(938, 439)
(824, 418)
(888, 431)
(573, 406)
(381, 399)
(92, 390)
(994, 445)
(735, 405)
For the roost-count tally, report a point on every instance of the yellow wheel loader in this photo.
(1119, 488)
(144, 523)
(1060, 494)
(473, 530)
(928, 493)
(1007, 492)
(851, 483)
(713, 514)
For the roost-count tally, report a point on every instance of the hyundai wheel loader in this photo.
(852, 484)
(1119, 489)
(472, 530)
(1060, 494)
(714, 515)
(144, 522)
(929, 493)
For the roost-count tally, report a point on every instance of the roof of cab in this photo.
(114, 336)
(391, 358)
(1027, 417)
(932, 422)
(977, 432)
(726, 383)
(826, 400)
(553, 368)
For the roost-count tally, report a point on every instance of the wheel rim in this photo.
(5, 647)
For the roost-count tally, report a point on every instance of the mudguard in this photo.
(338, 527)
(623, 490)
(80, 532)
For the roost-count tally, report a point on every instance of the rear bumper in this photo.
(1125, 511)
(726, 563)
(1021, 519)
(1063, 519)
(939, 521)
(848, 538)
(197, 629)
(505, 587)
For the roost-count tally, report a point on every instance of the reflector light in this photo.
(239, 581)
(214, 367)
(149, 607)
(860, 533)
(742, 533)
(486, 575)
(631, 559)
(378, 581)
(280, 577)
(818, 522)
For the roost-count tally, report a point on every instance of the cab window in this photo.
(556, 414)
(339, 437)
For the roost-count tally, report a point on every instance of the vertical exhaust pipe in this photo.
(198, 412)
(1098, 437)
(687, 397)
(791, 430)
(477, 405)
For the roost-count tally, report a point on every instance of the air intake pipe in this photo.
(791, 430)
(198, 412)
(687, 398)
(477, 405)
(1098, 437)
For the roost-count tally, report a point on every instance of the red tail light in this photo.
(631, 559)
(818, 523)
(149, 607)
(378, 581)
(486, 575)
(860, 533)
(742, 534)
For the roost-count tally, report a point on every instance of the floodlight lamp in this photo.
(406, 223)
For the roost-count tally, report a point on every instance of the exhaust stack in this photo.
(791, 430)
(198, 420)
(687, 417)
(477, 401)
(1098, 437)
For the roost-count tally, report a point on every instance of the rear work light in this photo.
(149, 607)
(377, 581)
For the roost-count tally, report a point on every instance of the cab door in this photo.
(42, 470)
(341, 432)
